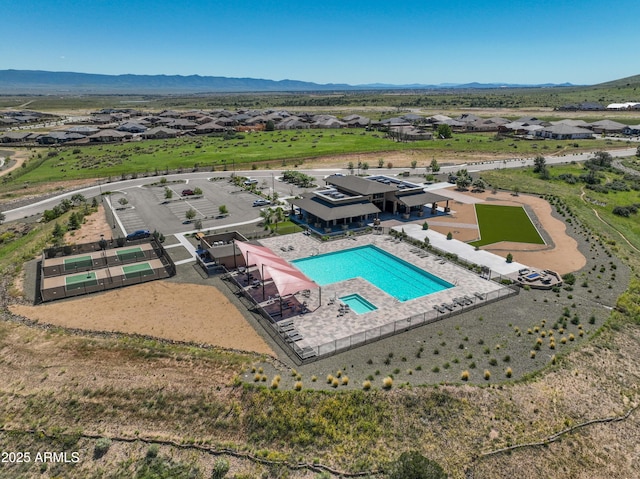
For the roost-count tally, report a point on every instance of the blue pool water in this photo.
(393, 275)
(358, 304)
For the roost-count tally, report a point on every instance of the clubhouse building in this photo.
(354, 202)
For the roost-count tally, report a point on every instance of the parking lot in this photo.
(148, 207)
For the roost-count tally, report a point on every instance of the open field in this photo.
(277, 149)
(177, 408)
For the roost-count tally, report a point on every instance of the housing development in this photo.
(279, 292)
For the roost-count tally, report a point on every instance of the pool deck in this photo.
(324, 323)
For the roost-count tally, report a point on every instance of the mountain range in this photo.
(45, 82)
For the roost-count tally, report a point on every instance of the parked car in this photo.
(250, 182)
(261, 202)
(139, 234)
(187, 193)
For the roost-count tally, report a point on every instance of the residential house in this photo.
(160, 133)
(564, 132)
(607, 127)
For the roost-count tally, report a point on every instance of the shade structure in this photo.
(289, 281)
(262, 261)
(287, 278)
(247, 249)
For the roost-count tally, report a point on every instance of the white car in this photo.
(261, 202)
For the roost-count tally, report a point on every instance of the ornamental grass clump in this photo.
(298, 386)
(508, 372)
(387, 383)
(464, 376)
(366, 385)
(487, 374)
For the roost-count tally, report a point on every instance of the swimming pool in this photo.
(358, 304)
(393, 275)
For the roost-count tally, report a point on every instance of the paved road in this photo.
(268, 179)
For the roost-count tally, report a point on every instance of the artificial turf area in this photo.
(505, 223)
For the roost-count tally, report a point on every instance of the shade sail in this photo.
(287, 278)
(261, 261)
(247, 249)
(289, 282)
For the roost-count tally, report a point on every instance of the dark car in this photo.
(139, 234)
(187, 193)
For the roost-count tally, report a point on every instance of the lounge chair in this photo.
(290, 248)
(294, 337)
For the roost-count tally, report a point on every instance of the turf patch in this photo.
(505, 223)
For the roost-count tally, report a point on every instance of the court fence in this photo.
(104, 271)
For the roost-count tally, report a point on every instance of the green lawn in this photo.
(280, 148)
(505, 223)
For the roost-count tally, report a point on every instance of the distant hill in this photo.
(632, 81)
(44, 82)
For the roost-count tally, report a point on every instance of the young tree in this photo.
(269, 126)
(197, 191)
(435, 167)
(222, 209)
(539, 164)
(463, 182)
(380, 162)
(190, 214)
(198, 224)
(444, 131)
(123, 202)
(350, 167)
(78, 199)
(168, 193)
(414, 163)
(266, 215)
(74, 221)
(479, 184)
(278, 216)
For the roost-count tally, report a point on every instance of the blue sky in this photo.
(348, 41)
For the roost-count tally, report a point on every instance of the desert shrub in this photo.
(487, 374)
(413, 465)
(464, 376)
(220, 469)
(387, 383)
(102, 446)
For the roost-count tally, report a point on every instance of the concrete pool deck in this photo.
(323, 326)
(464, 251)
